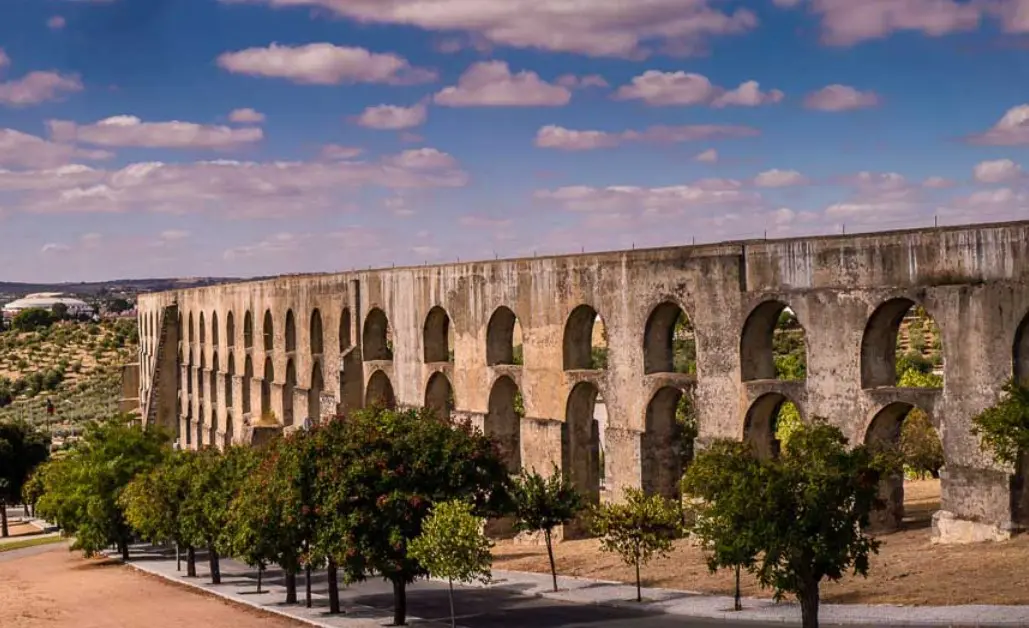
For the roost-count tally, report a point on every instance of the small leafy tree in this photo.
(541, 504)
(722, 484)
(255, 520)
(1003, 428)
(642, 527)
(22, 449)
(154, 502)
(814, 503)
(391, 467)
(452, 546)
(82, 490)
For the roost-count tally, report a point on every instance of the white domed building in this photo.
(47, 301)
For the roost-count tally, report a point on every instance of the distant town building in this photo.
(47, 301)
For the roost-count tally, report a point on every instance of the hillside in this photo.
(12, 290)
(76, 365)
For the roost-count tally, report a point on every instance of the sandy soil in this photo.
(58, 589)
(908, 569)
(22, 529)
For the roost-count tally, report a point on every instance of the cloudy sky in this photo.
(249, 137)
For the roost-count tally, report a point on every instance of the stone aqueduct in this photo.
(233, 363)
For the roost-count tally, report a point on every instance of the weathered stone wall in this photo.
(844, 291)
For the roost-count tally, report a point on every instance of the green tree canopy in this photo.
(390, 467)
(1003, 428)
(638, 529)
(83, 489)
(22, 449)
(154, 502)
(452, 545)
(32, 319)
(541, 504)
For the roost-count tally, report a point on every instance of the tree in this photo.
(154, 502)
(22, 449)
(32, 319)
(452, 546)
(118, 305)
(82, 490)
(814, 503)
(390, 467)
(255, 521)
(722, 483)
(59, 311)
(640, 528)
(920, 445)
(1003, 428)
(215, 479)
(541, 504)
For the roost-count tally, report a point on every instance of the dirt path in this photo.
(908, 569)
(59, 589)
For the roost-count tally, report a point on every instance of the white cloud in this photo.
(840, 98)
(173, 235)
(572, 81)
(246, 116)
(602, 28)
(784, 216)
(661, 200)
(560, 138)
(22, 150)
(56, 23)
(779, 179)
(130, 131)
(1011, 130)
(491, 84)
(392, 117)
(335, 151)
(998, 171)
(231, 187)
(54, 247)
(477, 221)
(324, 64)
(38, 87)
(4, 59)
(686, 88)
(937, 183)
(709, 156)
(278, 243)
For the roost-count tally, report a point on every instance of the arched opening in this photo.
(503, 422)
(230, 330)
(314, 395)
(248, 330)
(581, 441)
(266, 391)
(191, 338)
(380, 391)
(902, 346)
(377, 338)
(911, 489)
(291, 332)
(773, 344)
(345, 341)
(585, 340)
(316, 333)
(439, 395)
(248, 378)
(215, 370)
(287, 393)
(1020, 353)
(761, 428)
(269, 331)
(504, 338)
(178, 327)
(203, 333)
(661, 445)
(214, 328)
(669, 341)
(437, 336)
(230, 394)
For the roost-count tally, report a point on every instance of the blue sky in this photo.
(246, 137)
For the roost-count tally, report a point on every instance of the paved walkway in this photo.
(517, 599)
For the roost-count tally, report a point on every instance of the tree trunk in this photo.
(809, 605)
(178, 557)
(307, 585)
(291, 586)
(737, 604)
(260, 572)
(4, 532)
(216, 569)
(399, 602)
(550, 555)
(639, 588)
(191, 562)
(123, 548)
(453, 617)
(333, 587)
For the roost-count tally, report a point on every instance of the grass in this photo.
(43, 540)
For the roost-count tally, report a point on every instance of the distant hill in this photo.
(129, 286)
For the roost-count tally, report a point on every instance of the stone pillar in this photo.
(236, 415)
(300, 407)
(621, 462)
(975, 506)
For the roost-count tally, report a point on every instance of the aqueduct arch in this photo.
(661, 463)
(436, 336)
(881, 342)
(975, 278)
(439, 395)
(315, 333)
(761, 422)
(503, 422)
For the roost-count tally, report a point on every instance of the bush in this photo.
(32, 319)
